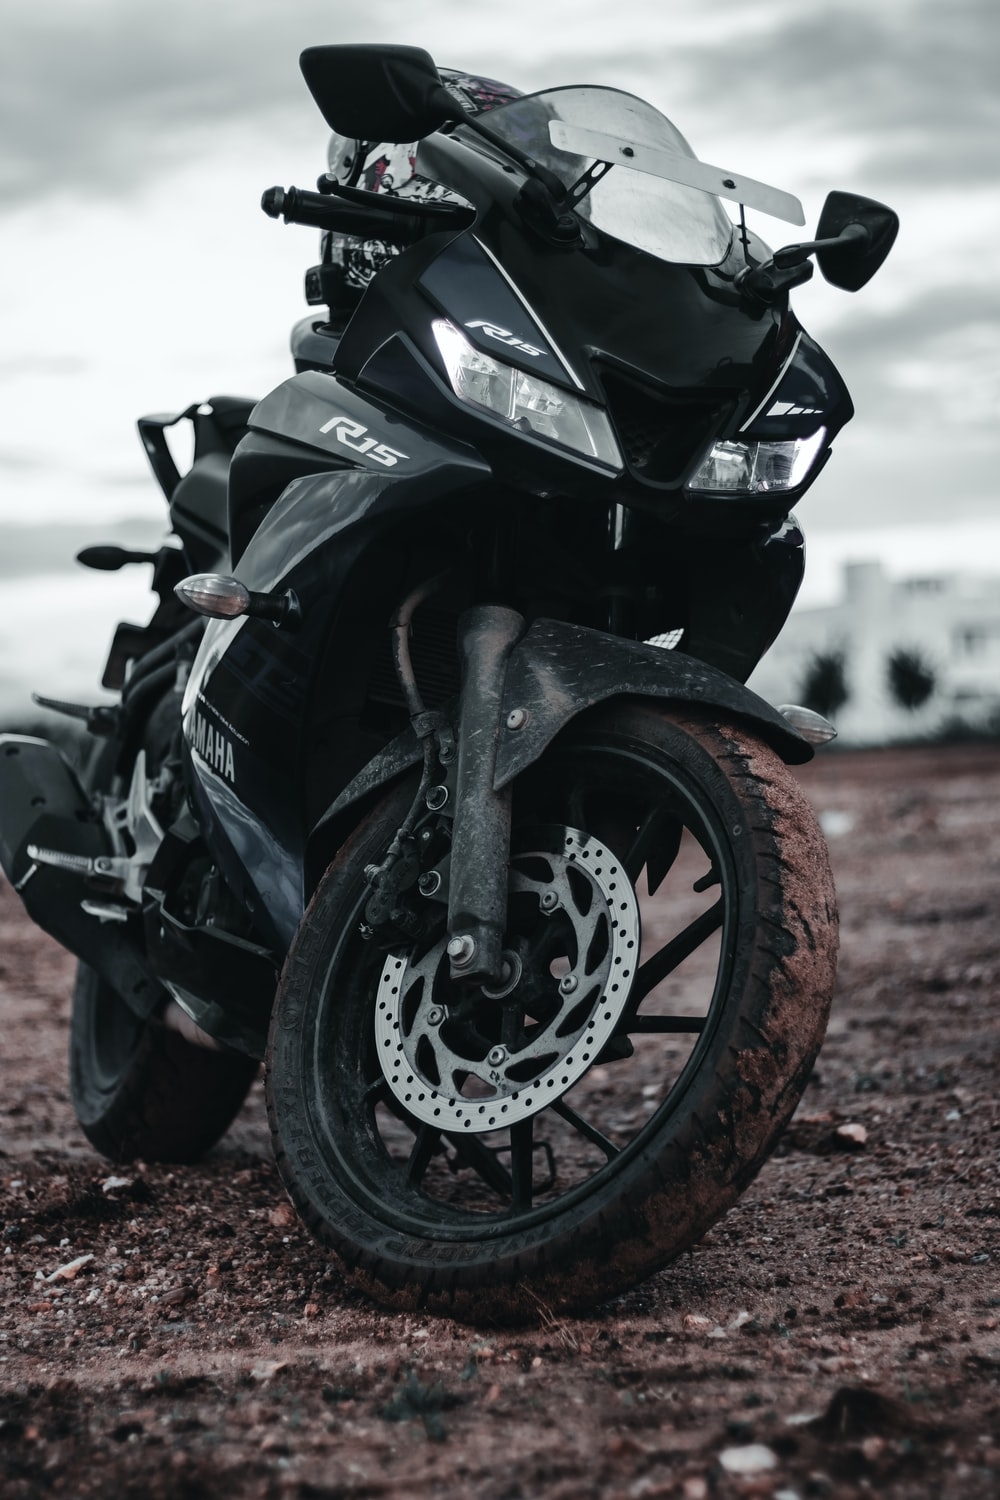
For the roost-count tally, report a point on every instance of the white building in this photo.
(950, 621)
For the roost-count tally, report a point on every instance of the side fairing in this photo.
(251, 691)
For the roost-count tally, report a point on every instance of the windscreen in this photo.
(666, 219)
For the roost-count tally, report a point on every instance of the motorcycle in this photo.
(450, 803)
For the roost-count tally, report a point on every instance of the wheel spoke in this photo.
(522, 1163)
(483, 1162)
(424, 1146)
(673, 954)
(583, 1127)
(377, 1092)
(575, 808)
(646, 840)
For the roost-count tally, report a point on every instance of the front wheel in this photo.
(669, 964)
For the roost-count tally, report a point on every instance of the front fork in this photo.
(480, 847)
(472, 875)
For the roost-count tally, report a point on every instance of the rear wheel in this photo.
(138, 1089)
(670, 956)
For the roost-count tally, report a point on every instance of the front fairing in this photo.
(678, 324)
(672, 351)
(640, 313)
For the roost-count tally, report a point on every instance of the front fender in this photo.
(554, 673)
(558, 670)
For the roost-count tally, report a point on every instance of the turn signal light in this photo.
(811, 726)
(222, 597)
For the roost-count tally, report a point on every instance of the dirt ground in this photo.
(173, 1332)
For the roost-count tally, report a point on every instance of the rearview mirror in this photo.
(855, 260)
(378, 93)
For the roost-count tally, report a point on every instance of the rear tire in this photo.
(142, 1091)
(605, 1181)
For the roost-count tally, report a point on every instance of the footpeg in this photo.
(75, 864)
(101, 867)
(105, 911)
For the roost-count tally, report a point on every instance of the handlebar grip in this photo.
(297, 206)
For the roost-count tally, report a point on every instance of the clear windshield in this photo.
(666, 219)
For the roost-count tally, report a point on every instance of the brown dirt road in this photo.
(173, 1332)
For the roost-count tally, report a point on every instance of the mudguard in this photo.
(555, 672)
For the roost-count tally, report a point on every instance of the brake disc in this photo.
(468, 1058)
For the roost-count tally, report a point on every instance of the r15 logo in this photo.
(353, 435)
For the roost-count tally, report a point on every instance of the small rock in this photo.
(69, 1271)
(873, 1447)
(695, 1488)
(115, 1184)
(282, 1217)
(851, 1135)
(311, 1310)
(752, 1459)
(622, 1447)
(697, 1323)
(176, 1295)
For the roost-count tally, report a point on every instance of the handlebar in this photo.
(403, 224)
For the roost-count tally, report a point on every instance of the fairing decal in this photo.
(466, 283)
(807, 394)
(318, 410)
(533, 315)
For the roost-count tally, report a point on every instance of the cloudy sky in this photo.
(139, 273)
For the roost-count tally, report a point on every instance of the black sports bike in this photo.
(457, 812)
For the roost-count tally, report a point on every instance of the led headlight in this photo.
(524, 402)
(758, 468)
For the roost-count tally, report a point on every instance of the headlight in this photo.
(758, 468)
(524, 402)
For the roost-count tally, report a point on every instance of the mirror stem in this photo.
(794, 255)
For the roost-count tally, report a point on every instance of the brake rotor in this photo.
(468, 1058)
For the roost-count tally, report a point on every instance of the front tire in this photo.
(576, 1173)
